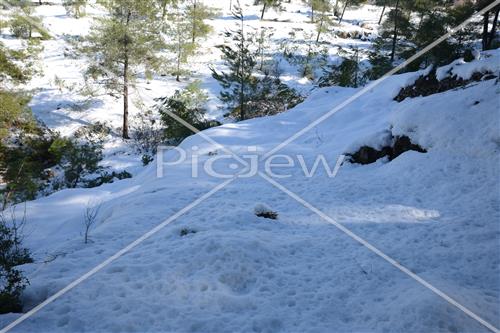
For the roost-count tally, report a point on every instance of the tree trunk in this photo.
(395, 37)
(193, 32)
(381, 15)
(312, 12)
(486, 19)
(343, 11)
(125, 100)
(125, 85)
(320, 27)
(335, 7)
(263, 11)
(242, 71)
(492, 33)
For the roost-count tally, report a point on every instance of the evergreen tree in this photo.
(24, 24)
(396, 25)
(347, 74)
(350, 3)
(238, 82)
(266, 4)
(488, 35)
(189, 105)
(431, 28)
(323, 8)
(197, 13)
(121, 44)
(180, 31)
(455, 16)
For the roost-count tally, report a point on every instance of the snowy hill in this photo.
(220, 268)
(212, 265)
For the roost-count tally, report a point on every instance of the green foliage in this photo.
(271, 96)
(346, 74)
(188, 105)
(22, 166)
(380, 64)
(238, 82)
(12, 254)
(26, 26)
(13, 112)
(266, 4)
(8, 69)
(77, 159)
(431, 28)
(147, 134)
(182, 43)
(124, 44)
(197, 13)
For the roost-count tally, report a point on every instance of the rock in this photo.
(400, 145)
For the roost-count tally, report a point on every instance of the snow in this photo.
(437, 213)
(464, 70)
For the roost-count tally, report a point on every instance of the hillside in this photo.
(213, 265)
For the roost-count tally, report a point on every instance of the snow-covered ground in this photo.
(437, 213)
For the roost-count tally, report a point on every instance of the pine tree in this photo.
(122, 44)
(433, 26)
(238, 82)
(24, 24)
(488, 36)
(180, 31)
(455, 16)
(396, 25)
(350, 3)
(197, 13)
(347, 74)
(323, 7)
(266, 4)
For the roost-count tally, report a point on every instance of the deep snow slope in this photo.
(437, 213)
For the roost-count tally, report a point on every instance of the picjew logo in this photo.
(227, 165)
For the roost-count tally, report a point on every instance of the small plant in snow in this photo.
(262, 210)
(90, 218)
(186, 231)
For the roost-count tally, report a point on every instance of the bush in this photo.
(24, 25)
(347, 74)
(12, 254)
(188, 105)
(78, 159)
(272, 96)
(147, 134)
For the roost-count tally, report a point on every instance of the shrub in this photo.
(24, 25)
(271, 96)
(12, 254)
(347, 74)
(188, 105)
(147, 134)
(78, 159)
